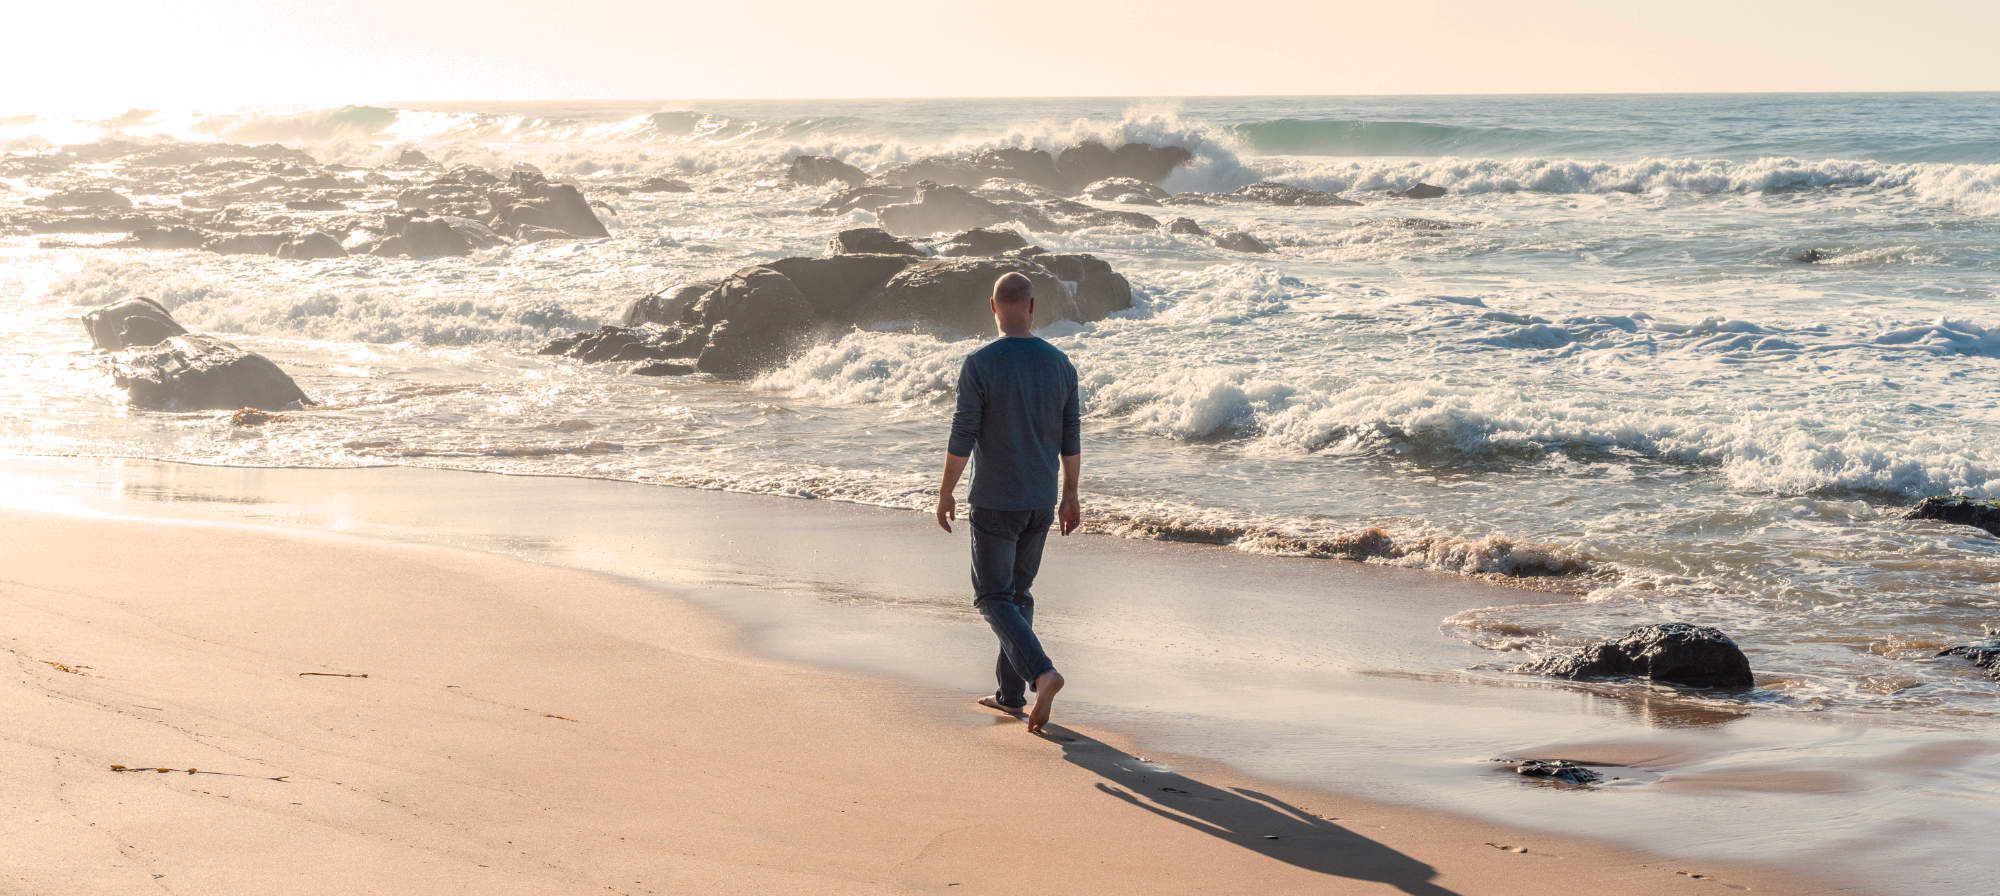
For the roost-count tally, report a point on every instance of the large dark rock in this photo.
(445, 198)
(940, 208)
(130, 323)
(1095, 290)
(1066, 214)
(1185, 227)
(756, 318)
(981, 241)
(812, 171)
(1031, 166)
(1286, 194)
(1959, 509)
(531, 200)
(833, 286)
(413, 158)
(84, 197)
(196, 373)
(949, 295)
(1985, 656)
(312, 244)
(870, 241)
(1672, 652)
(667, 306)
(1419, 191)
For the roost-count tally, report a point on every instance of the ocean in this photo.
(1651, 357)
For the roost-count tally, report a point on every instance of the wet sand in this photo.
(526, 727)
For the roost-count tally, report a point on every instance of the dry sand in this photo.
(526, 729)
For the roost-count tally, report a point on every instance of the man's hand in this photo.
(947, 510)
(1070, 512)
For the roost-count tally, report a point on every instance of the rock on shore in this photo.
(163, 367)
(1672, 652)
(1959, 509)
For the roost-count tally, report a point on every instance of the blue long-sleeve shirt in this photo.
(1017, 414)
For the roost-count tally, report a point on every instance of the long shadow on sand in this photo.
(1247, 819)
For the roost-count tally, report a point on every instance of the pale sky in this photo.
(205, 54)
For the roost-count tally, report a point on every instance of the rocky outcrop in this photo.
(1185, 227)
(872, 197)
(129, 323)
(813, 171)
(84, 197)
(1985, 656)
(166, 236)
(871, 241)
(1959, 509)
(613, 343)
(762, 314)
(663, 185)
(1672, 653)
(1240, 241)
(1091, 161)
(531, 200)
(1555, 770)
(313, 244)
(202, 373)
(939, 208)
(834, 286)
(412, 158)
(980, 241)
(421, 236)
(1419, 191)
(1275, 193)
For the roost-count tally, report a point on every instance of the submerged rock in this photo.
(1556, 770)
(419, 236)
(870, 241)
(129, 323)
(610, 343)
(813, 171)
(1185, 227)
(313, 244)
(84, 197)
(1285, 194)
(1985, 656)
(872, 197)
(412, 158)
(167, 236)
(1126, 189)
(245, 243)
(1419, 191)
(1240, 241)
(663, 185)
(1959, 509)
(202, 373)
(1672, 652)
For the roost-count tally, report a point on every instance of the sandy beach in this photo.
(376, 715)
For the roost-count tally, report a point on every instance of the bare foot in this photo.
(1045, 697)
(991, 702)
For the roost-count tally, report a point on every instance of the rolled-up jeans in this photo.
(1006, 553)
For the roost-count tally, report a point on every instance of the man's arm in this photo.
(947, 506)
(1070, 511)
(965, 423)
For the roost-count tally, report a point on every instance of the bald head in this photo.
(1012, 289)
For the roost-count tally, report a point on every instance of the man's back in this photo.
(1017, 413)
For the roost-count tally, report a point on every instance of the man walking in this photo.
(1018, 414)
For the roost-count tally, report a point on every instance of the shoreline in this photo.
(553, 747)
